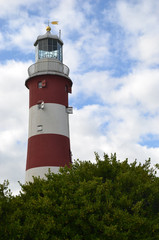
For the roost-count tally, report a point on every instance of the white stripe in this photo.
(39, 172)
(52, 119)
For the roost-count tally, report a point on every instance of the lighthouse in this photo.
(49, 85)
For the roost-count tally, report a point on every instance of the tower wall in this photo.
(48, 137)
(55, 89)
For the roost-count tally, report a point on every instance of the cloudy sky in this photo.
(112, 50)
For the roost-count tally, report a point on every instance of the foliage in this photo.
(108, 200)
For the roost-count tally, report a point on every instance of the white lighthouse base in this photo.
(39, 172)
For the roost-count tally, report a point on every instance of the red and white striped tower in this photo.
(49, 85)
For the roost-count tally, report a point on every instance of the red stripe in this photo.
(48, 150)
(55, 91)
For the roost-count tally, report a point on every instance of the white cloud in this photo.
(100, 129)
(14, 8)
(14, 121)
(24, 38)
(129, 111)
(137, 17)
(140, 87)
(86, 137)
(72, 57)
(146, 49)
(139, 25)
(93, 84)
(69, 15)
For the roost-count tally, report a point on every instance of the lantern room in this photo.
(48, 46)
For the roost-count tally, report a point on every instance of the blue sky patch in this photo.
(150, 140)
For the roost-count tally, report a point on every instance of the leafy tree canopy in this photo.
(108, 199)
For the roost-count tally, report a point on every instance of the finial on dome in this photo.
(48, 28)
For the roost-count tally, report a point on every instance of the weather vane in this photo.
(48, 28)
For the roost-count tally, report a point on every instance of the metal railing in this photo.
(49, 66)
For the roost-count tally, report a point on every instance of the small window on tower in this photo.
(39, 128)
(42, 84)
(39, 84)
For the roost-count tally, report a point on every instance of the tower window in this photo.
(39, 84)
(49, 48)
(42, 84)
(39, 128)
